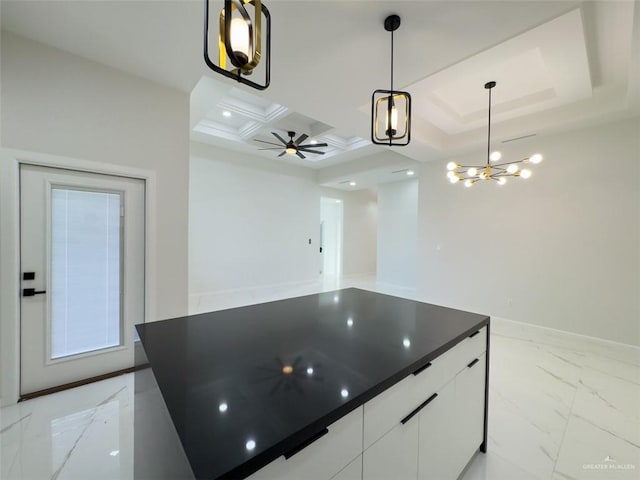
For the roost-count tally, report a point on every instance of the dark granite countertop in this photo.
(272, 375)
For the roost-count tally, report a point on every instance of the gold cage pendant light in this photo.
(391, 109)
(243, 41)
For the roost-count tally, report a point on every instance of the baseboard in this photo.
(505, 325)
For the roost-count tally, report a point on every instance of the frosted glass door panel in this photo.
(86, 249)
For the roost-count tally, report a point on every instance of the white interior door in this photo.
(331, 221)
(82, 261)
(321, 248)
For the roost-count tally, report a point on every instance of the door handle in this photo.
(30, 292)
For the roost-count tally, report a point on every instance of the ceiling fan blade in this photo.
(300, 155)
(284, 142)
(262, 141)
(301, 139)
(313, 151)
(282, 154)
(313, 145)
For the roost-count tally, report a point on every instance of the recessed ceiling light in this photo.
(226, 113)
(410, 172)
(313, 142)
(353, 184)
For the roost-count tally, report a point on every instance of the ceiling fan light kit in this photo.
(491, 170)
(391, 109)
(243, 40)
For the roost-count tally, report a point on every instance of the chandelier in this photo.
(492, 170)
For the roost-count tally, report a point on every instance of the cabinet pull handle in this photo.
(306, 443)
(420, 407)
(473, 363)
(474, 334)
(422, 368)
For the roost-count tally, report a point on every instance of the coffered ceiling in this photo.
(558, 65)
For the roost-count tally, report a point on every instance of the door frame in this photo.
(10, 161)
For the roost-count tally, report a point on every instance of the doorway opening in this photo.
(331, 228)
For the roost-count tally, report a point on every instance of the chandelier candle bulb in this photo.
(469, 174)
(535, 158)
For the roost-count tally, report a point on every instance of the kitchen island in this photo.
(340, 385)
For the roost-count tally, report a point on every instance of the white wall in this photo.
(397, 233)
(560, 250)
(61, 104)
(360, 213)
(250, 222)
(68, 110)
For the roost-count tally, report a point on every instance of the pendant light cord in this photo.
(489, 130)
(392, 63)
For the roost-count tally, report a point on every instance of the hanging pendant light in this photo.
(391, 109)
(240, 40)
(499, 172)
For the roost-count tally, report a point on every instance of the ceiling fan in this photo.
(294, 147)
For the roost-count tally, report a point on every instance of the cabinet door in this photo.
(436, 439)
(469, 424)
(353, 471)
(395, 455)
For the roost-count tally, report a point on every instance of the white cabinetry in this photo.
(426, 427)
(437, 459)
(443, 408)
(469, 414)
(395, 455)
(353, 471)
(322, 459)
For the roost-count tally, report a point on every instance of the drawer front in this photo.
(322, 459)
(384, 412)
(457, 358)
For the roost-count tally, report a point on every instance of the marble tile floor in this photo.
(562, 407)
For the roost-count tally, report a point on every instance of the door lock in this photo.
(30, 292)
